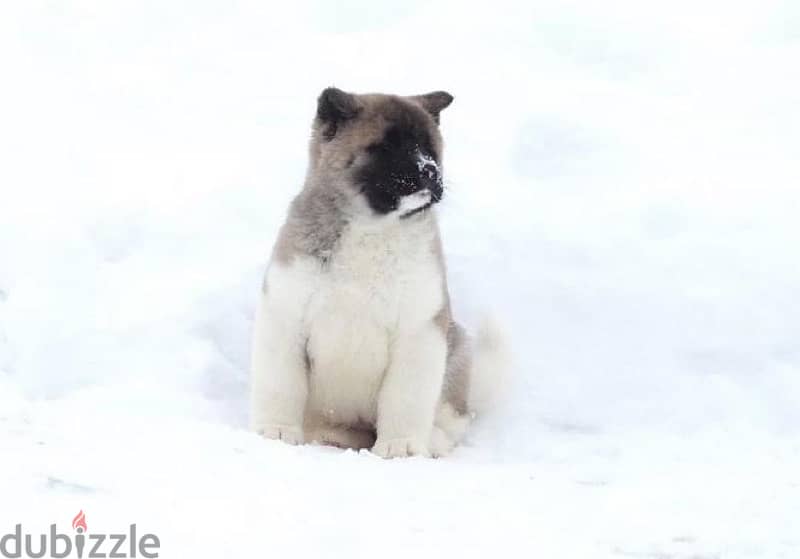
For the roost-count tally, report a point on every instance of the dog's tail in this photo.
(491, 361)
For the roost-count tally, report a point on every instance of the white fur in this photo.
(366, 323)
(414, 201)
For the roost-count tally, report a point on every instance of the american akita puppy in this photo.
(354, 343)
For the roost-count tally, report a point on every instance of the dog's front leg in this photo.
(410, 392)
(279, 383)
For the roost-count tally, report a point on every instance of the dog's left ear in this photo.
(335, 107)
(434, 102)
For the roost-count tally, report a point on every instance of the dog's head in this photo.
(383, 151)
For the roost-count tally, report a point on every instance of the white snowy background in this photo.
(623, 191)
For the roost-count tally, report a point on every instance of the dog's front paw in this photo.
(400, 448)
(286, 433)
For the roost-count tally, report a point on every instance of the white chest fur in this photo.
(385, 273)
(381, 281)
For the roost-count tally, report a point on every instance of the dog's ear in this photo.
(334, 107)
(434, 102)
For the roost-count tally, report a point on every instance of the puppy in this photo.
(354, 343)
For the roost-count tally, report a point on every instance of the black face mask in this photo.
(401, 164)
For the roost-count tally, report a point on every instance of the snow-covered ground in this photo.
(624, 191)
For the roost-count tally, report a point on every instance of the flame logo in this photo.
(79, 521)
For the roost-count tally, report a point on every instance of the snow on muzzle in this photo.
(430, 191)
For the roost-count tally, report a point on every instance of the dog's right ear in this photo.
(334, 107)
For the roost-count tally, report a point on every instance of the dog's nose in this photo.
(428, 167)
(430, 170)
(434, 186)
